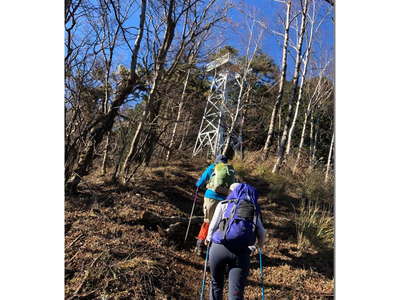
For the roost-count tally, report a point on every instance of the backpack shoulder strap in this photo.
(226, 204)
(255, 219)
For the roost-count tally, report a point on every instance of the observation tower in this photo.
(221, 99)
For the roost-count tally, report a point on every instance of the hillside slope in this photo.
(127, 243)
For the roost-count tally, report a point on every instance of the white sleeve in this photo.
(215, 221)
(260, 231)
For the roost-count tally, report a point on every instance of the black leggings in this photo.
(238, 265)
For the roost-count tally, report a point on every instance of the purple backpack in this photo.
(236, 229)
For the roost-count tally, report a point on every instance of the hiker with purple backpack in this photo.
(216, 178)
(233, 232)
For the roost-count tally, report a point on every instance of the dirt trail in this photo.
(118, 243)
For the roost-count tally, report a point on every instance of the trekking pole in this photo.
(261, 274)
(191, 214)
(203, 283)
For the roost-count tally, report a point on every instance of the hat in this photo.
(221, 158)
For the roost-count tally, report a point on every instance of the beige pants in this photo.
(209, 208)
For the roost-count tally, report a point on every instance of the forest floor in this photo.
(127, 243)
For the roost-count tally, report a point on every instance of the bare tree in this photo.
(241, 124)
(70, 19)
(313, 30)
(277, 104)
(305, 59)
(191, 60)
(186, 127)
(107, 31)
(199, 21)
(314, 134)
(80, 95)
(283, 142)
(256, 30)
(328, 164)
(319, 91)
(178, 116)
(102, 124)
(159, 61)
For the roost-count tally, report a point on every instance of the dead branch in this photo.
(87, 273)
(74, 241)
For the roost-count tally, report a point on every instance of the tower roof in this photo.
(224, 61)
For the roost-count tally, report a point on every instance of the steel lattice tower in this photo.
(214, 122)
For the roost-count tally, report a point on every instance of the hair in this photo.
(221, 158)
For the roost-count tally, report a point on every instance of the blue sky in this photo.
(269, 11)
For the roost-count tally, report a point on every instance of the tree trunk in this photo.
(311, 133)
(105, 109)
(241, 126)
(178, 117)
(313, 158)
(104, 123)
(283, 142)
(314, 150)
(278, 100)
(299, 98)
(154, 106)
(186, 131)
(119, 174)
(234, 119)
(313, 145)
(328, 164)
(279, 132)
(303, 133)
(314, 99)
(151, 109)
(152, 122)
(105, 155)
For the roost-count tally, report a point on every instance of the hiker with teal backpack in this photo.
(233, 232)
(217, 178)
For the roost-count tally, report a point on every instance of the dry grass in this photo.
(111, 254)
(315, 199)
(305, 183)
(314, 227)
(313, 188)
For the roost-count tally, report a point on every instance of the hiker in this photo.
(217, 177)
(233, 239)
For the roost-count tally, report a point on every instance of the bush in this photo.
(314, 227)
(241, 169)
(314, 218)
(313, 188)
(253, 167)
(278, 185)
